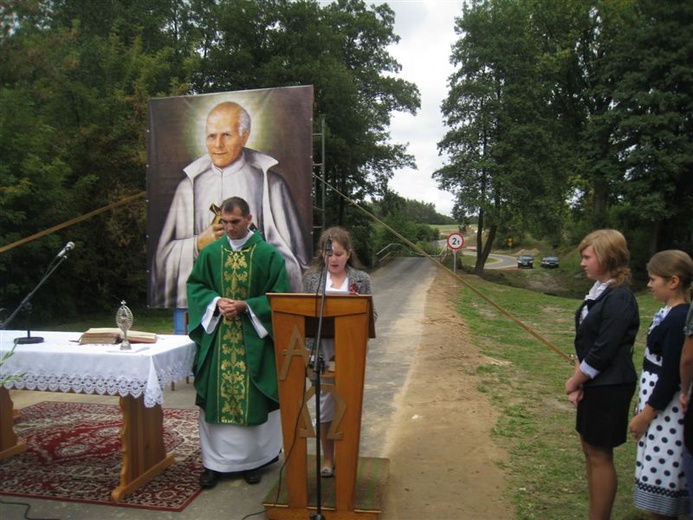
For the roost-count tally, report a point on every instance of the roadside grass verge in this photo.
(524, 379)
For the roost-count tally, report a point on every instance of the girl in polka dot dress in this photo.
(660, 484)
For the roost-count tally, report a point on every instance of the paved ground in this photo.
(421, 410)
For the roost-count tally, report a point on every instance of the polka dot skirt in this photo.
(660, 484)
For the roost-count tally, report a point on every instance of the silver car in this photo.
(550, 261)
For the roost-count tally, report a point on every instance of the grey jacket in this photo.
(359, 280)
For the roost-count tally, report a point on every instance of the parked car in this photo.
(525, 261)
(550, 262)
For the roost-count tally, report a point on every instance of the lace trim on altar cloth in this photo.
(112, 385)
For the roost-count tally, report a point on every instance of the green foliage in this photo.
(362, 233)
(3, 358)
(408, 219)
(653, 105)
(33, 195)
(416, 211)
(75, 89)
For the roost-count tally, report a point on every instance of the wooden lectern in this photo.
(349, 319)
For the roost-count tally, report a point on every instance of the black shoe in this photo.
(208, 478)
(252, 476)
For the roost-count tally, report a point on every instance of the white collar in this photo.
(237, 244)
(597, 289)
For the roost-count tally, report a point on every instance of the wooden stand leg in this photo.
(9, 444)
(144, 453)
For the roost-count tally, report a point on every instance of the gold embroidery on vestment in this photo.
(233, 371)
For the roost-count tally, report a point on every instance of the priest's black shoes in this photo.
(208, 478)
(252, 476)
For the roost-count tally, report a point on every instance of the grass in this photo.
(159, 321)
(446, 229)
(524, 379)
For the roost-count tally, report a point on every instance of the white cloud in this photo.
(426, 31)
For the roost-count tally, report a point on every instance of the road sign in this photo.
(455, 241)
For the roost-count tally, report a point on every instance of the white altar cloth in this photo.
(61, 364)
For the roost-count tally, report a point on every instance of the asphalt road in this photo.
(399, 293)
(399, 297)
(494, 261)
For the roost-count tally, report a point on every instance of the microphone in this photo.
(68, 247)
(328, 246)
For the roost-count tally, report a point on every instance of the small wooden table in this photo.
(61, 364)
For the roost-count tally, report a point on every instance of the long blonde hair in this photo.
(611, 250)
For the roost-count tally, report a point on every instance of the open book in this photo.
(110, 335)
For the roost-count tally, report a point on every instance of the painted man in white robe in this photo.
(229, 169)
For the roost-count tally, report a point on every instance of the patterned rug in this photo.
(74, 455)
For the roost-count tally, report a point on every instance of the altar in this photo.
(137, 376)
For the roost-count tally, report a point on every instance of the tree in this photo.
(585, 91)
(503, 156)
(586, 103)
(32, 193)
(653, 107)
(415, 210)
(622, 85)
(77, 96)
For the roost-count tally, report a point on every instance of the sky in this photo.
(426, 31)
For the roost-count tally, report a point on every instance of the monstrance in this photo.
(124, 321)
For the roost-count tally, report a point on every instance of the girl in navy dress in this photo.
(660, 482)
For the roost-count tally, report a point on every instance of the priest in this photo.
(234, 368)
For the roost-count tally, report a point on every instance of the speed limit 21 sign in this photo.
(455, 241)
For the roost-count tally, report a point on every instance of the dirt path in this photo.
(444, 463)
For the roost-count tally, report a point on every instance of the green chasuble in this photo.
(235, 370)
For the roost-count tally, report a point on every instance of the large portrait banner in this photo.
(203, 149)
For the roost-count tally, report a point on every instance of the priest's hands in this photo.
(229, 308)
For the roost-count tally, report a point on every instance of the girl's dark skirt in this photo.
(602, 415)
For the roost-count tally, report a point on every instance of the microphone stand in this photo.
(26, 305)
(318, 367)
